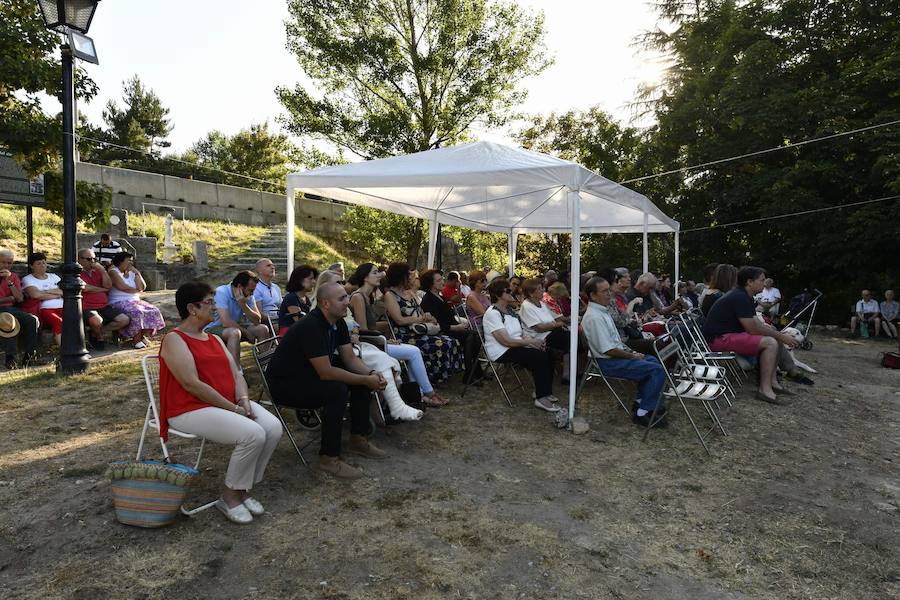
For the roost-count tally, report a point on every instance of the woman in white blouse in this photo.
(44, 286)
(542, 323)
(504, 342)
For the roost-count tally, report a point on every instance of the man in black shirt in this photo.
(732, 326)
(314, 366)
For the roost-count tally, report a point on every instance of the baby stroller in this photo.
(800, 314)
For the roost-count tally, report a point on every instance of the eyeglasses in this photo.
(341, 281)
(90, 258)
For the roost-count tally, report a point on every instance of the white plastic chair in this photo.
(150, 365)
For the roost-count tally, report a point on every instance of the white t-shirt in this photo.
(769, 295)
(494, 320)
(52, 281)
(862, 306)
(532, 315)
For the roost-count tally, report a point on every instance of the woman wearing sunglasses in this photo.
(504, 343)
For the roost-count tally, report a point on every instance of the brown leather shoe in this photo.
(335, 467)
(361, 446)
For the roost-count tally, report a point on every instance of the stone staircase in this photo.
(272, 246)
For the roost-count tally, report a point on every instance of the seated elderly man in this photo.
(616, 359)
(868, 312)
(650, 304)
(267, 293)
(769, 299)
(237, 318)
(98, 314)
(27, 324)
(314, 367)
(732, 326)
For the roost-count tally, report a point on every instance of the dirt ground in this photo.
(478, 500)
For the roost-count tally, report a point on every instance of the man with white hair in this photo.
(267, 293)
(10, 295)
(338, 268)
(643, 288)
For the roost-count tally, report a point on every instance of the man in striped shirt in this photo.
(105, 248)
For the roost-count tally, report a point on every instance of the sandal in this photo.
(434, 400)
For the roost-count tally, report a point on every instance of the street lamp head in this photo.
(61, 15)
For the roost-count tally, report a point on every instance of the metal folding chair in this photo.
(150, 365)
(484, 360)
(262, 354)
(686, 388)
(592, 371)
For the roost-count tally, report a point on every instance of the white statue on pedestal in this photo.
(170, 250)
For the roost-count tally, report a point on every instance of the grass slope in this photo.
(226, 241)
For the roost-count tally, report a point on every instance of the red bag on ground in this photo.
(890, 360)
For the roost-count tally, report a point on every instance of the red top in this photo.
(93, 300)
(449, 292)
(6, 297)
(214, 370)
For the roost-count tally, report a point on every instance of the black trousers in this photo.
(332, 397)
(471, 345)
(558, 340)
(538, 362)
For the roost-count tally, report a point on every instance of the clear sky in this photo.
(216, 63)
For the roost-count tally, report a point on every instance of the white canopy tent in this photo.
(491, 187)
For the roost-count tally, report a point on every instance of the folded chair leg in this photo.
(193, 511)
(500, 383)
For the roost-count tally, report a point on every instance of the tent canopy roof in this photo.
(490, 187)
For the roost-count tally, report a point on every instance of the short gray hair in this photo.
(648, 278)
(7, 252)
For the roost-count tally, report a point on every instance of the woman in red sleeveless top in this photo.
(203, 392)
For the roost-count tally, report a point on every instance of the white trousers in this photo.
(254, 439)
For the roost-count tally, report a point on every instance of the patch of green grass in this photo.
(224, 241)
(47, 231)
(312, 249)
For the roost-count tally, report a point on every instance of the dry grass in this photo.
(478, 501)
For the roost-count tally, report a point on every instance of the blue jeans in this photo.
(413, 357)
(647, 372)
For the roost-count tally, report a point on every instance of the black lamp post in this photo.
(72, 18)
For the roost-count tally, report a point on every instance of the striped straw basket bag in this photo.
(149, 493)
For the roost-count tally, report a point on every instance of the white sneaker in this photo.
(140, 346)
(544, 403)
(254, 507)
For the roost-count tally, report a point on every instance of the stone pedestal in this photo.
(169, 253)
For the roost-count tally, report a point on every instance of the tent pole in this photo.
(512, 242)
(432, 240)
(574, 289)
(645, 264)
(677, 261)
(289, 221)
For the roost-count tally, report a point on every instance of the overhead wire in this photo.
(760, 152)
(793, 214)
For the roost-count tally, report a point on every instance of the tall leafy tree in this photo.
(752, 75)
(401, 76)
(29, 68)
(257, 152)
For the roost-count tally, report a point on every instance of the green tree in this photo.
(265, 157)
(752, 75)
(402, 76)
(30, 66)
(142, 123)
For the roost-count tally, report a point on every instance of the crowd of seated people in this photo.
(110, 301)
(872, 318)
(336, 347)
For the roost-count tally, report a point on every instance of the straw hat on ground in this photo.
(9, 325)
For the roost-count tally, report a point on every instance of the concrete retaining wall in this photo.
(212, 201)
